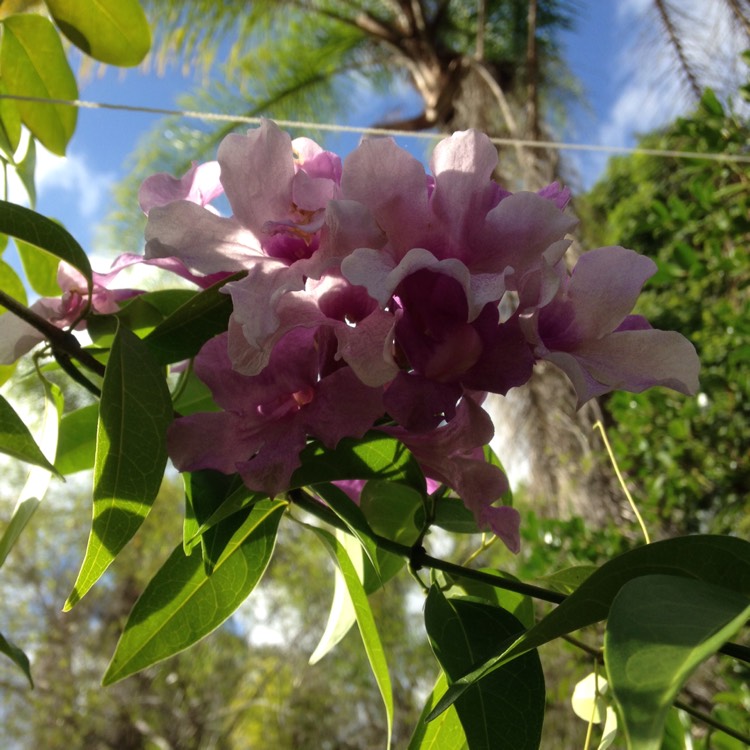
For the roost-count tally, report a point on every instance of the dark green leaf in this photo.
(375, 456)
(33, 63)
(131, 454)
(182, 334)
(722, 560)
(16, 440)
(506, 709)
(29, 226)
(17, 656)
(111, 31)
(182, 604)
(660, 628)
(26, 171)
(568, 580)
(452, 515)
(22, 514)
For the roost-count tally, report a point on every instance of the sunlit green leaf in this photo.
(569, 579)
(40, 268)
(39, 476)
(16, 439)
(722, 560)
(10, 125)
(660, 628)
(17, 656)
(29, 226)
(443, 733)
(182, 604)
(33, 63)
(507, 708)
(131, 454)
(365, 621)
(111, 31)
(76, 447)
(26, 171)
(342, 614)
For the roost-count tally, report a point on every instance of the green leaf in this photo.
(375, 456)
(443, 733)
(17, 656)
(452, 515)
(520, 606)
(365, 621)
(40, 268)
(29, 226)
(16, 440)
(38, 479)
(567, 580)
(111, 31)
(660, 628)
(33, 63)
(182, 334)
(11, 284)
(134, 413)
(722, 560)
(10, 125)
(507, 708)
(26, 171)
(76, 447)
(182, 604)
(342, 614)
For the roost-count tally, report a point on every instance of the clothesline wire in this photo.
(355, 129)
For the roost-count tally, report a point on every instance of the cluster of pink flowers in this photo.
(378, 296)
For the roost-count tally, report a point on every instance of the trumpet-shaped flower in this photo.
(266, 419)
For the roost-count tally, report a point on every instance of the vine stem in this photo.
(65, 346)
(417, 558)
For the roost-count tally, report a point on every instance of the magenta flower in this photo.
(587, 332)
(268, 418)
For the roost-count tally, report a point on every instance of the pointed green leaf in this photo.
(26, 171)
(17, 656)
(16, 440)
(507, 708)
(76, 447)
(182, 604)
(131, 454)
(342, 614)
(375, 456)
(33, 63)
(40, 268)
(722, 560)
(569, 579)
(365, 621)
(38, 479)
(445, 732)
(10, 125)
(111, 31)
(29, 226)
(182, 334)
(452, 515)
(660, 629)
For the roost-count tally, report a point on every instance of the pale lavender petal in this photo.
(316, 161)
(201, 184)
(312, 193)
(638, 359)
(203, 241)
(464, 191)
(257, 170)
(517, 233)
(604, 286)
(558, 195)
(393, 186)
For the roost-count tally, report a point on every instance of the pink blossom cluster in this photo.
(379, 296)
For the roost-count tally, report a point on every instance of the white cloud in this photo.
(86, 187)
(74, 175)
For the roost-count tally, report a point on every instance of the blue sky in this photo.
(623, 99)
